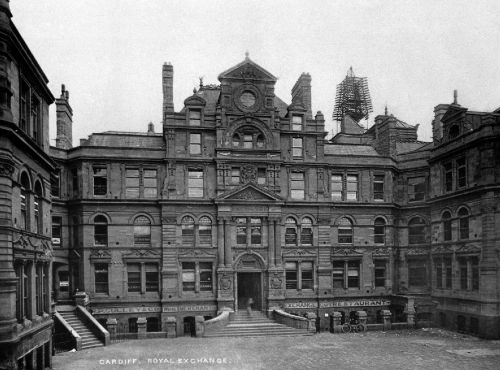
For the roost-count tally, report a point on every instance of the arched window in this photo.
(205, 230)
(37, 205)
(187, 226)
(463, 223)
(379, 231)
(446, 218)
(142, 230)
(345, 231)
(100, 230)
(255, 231)
(25, 188)
(416, 231)
(306, 231)
(291, 231)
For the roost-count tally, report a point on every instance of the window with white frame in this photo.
(297, 147)
(194, 117)
(378, 187)
(346, 274)
(195, 183)
(379, 231)
(297, 122)
(195, 144)
(297, 185)
(299, 275)
(100, 180)
(345, 231)
(142, 231)
(100, 230)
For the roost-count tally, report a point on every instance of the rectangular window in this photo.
(24, 107)
(297, 147)
(55, 185)
(247, 141)
(194, 117)
(235, 175)
(195, 183)
(291, 275)
(100, 180)
(297, 185)
(152, 280)
(206, 276)
(35, 119)
(469, 273)
(56, 230)
(195, 144)
(75, 182)
(353, 274)
(132, 183)
(241, 231)
(338, 274)
(461, 173)
(297, 123)
(380, 273)
(101, 278)
(378, 187)
(150, 183)
(417, 272)
(306, 275)
(448, 177)
(416, 189)
(352, 187)
(261, 176)
(23, 221)
(255, 231)
(188, 276)
(134, 277)
(336, 187)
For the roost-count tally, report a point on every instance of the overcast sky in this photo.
(110, 53)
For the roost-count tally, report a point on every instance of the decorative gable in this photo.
(247, 70)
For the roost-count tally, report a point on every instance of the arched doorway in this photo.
(249, 282)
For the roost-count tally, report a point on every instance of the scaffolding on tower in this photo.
(352, 98)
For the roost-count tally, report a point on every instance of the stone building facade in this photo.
(25, 206)
(240, 196)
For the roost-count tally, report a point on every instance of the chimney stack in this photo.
(301, 91)
(64, 116)
(168, 90)
(151, 128)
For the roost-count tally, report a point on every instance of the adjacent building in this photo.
(25, 206)
(239, 195)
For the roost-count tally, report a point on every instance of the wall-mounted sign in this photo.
(189, 308)
(356, 303)
(301, 305)
(107, 310)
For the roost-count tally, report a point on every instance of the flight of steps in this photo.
(89, 339)
(256, 325)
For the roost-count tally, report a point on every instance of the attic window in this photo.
(454, 131)
(297, 123)
(248, 138)
(194, 117)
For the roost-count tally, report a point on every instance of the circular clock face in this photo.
(247, 99)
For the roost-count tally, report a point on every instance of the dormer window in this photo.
(194, 117)
(297, 122)
(454, 132)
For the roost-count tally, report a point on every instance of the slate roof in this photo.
(125, 140)
(406, 147)
(340, 149)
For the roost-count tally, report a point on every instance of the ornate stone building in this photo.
(25, 169)
(240, 196)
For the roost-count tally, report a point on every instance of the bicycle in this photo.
(354, 327)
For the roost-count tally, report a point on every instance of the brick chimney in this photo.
(301, 92)
(437, 125)
(168, 89)
(64, 116)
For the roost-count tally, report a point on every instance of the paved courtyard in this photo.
(416, 349)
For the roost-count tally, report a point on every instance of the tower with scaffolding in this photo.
(352, 99)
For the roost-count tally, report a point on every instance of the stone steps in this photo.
(89, 339)
(255, 325)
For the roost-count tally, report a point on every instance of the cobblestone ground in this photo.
(418, 349)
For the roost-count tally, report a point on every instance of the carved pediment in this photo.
(22, 242)
(468, 248)
(298, 253)
(417, 251)
(442, 249)
(247, 69)
(142, 254)
(346, 251)
(192, 253)
(250, 191)
(100, 254)
(382, 251)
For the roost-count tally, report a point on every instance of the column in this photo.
(277, 245)
(228, 258)
(141, 327)
(220, 241)
(270, 227)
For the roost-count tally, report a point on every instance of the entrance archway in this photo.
(249, 281)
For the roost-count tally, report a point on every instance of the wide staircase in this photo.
(89, 339)
(255, 325)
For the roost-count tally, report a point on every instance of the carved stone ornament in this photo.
(276, 281)
(248, 174)
(249, 194)
(169, 220)
(6, 169)
(347, 251)
(298, 253)
(100, 253)
(468, 248)
(225, 282)
(417, 252)
(142, 253)
(382, 251)
(442, 249)
(197, 253)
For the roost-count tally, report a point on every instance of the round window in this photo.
(247, 99)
